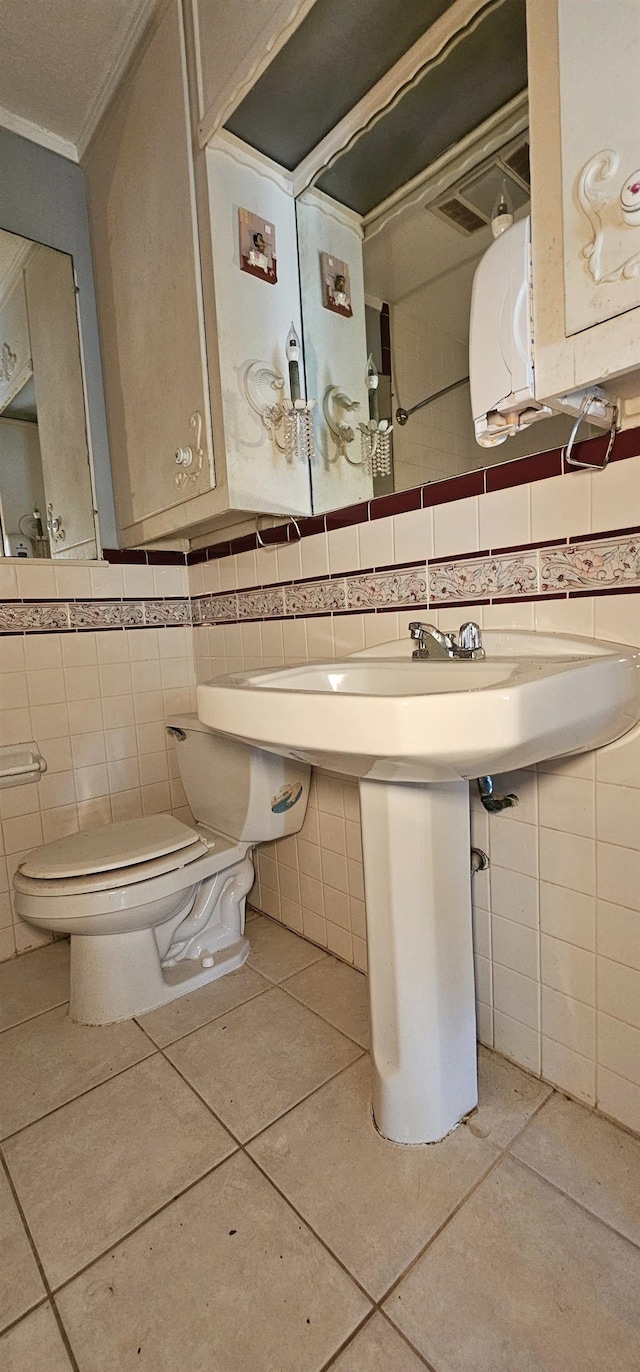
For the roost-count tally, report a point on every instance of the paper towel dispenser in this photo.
(501, 346)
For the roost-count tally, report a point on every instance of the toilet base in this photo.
(118, 976)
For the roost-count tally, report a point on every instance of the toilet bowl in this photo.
(156, 908)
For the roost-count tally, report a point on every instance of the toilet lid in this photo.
(124, 844)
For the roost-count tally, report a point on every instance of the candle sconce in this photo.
(289, 422)
(375, 435)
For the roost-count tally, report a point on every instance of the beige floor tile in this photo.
(34, 982)
(276, 952)
(336, 992)
(227, 1277)
(49, 1060)
(377, 1348)
(260, 1059)
(506, 1098)
(20, 1282)
(187, 1013)
(34, 1345)
(112, 1158)
(375, 1203)
(590, 1159)
(523, 1279)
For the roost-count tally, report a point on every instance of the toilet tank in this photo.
(240, 791)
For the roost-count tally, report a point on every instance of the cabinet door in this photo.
(585, 186)
(143, 222)
(599, 58)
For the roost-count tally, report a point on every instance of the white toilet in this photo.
(154, 908)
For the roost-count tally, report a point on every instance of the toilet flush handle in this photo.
(176, 733)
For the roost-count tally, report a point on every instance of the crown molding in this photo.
(35, 133)
(114, 75)
(230, 146)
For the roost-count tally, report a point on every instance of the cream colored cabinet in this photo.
(147, 267)
(181, 322)
(585, 162)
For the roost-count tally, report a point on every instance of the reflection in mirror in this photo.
(409, 265)
(46, 497)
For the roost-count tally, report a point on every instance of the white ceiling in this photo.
(59, 63)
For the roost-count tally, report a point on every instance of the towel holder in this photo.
(20, 763)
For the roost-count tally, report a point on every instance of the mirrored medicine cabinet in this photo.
(393, 216)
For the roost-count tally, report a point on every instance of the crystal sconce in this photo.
(375, 435)
(288, 419)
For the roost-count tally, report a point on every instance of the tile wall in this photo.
(557, 917)
(94, 698)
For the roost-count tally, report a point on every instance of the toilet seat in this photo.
(113, 847)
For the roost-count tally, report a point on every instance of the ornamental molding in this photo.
(596, 195)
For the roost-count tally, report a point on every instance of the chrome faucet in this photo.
(431, 643)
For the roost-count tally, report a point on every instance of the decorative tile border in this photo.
(533, 572)
(600, 566)
(28, 616)
(481, 579)
(591, 566)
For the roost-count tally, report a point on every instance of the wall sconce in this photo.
(288, 419)
(375, 435)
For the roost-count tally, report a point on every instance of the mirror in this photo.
(396, 355)
(46, 489)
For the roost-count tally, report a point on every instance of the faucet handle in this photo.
(470, 639)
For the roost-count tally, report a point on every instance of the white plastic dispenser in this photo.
(501, 346)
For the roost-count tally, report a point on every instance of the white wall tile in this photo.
(569, 1021)
(567, 860)
(504, 517)
(619, 934)
(560, 506)
(455, 527)
(569, 1070)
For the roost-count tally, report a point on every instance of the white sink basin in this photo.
(413, 732)
(382, 715)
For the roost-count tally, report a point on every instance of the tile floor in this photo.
(203, 1191)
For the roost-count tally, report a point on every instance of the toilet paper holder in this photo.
(20, 763)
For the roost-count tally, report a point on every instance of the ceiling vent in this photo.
(468, 205)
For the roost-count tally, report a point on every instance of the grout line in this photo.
(6, 1329)
(598, 1219)
(43, 1276)
(38, 1014)
(111, 1248)
(88, 1090)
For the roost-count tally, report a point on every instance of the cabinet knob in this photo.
(184, 457)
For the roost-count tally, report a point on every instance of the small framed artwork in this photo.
(257, 246)
(336, 285)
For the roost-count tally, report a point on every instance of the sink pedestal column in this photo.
(416, 841)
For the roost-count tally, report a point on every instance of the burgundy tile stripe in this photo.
(504, 476)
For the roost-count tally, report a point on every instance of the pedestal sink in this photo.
(413, 733)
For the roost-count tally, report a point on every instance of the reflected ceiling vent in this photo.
(468, 205)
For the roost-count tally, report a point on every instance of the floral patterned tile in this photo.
(485, 578)
(167, 612)
(97, 614)
(313, 597)
(261, 604)
(379, 590)
(24, 617)
(593, 566)
(219, 609)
